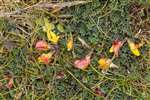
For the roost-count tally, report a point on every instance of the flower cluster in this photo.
(82, 63)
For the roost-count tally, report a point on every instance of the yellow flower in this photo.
(70, 43)
(48, 29)
(52, 37)
(111, 49)
(105, 64)
(133, 47)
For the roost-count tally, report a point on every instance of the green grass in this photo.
(98, 23)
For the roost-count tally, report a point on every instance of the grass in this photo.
(99, 23)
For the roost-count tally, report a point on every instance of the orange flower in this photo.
(117, 44)
(42, 45)
(83, 63)
(45, 58)
(70, 43)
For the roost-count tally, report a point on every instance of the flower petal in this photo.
(52, 37)
(70, 43)
(10, 83)
(131, 44)
(133, 48)
(111, 49)
(45, 58)
(83, 63)
(117, 44)
(42, 45)
(104, 63)
(112, 65)
(135, 52)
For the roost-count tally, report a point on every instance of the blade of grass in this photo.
(81, 83)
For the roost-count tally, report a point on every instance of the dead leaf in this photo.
(83, 43)
(1, 85)
(99, 91)
(18, 96)
(60, 75)
(9, 45)
(55, 7)
(10, 83)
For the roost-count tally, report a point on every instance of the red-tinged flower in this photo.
(10, 83)
(83, 63)
(117, 44)
(41, 45)
(60, 75)
(45, 58)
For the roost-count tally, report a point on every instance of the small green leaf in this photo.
(39, 21)
(3, 25)
(149, 2)
(60, 27)
(48, 26)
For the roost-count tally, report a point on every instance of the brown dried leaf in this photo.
(10, 83)
(60, 75)
(83, 42)
(9, 45)
(99, 91)
(18, 96)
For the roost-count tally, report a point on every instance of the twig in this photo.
(48, 5)
(81, 83)
(83, 42)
